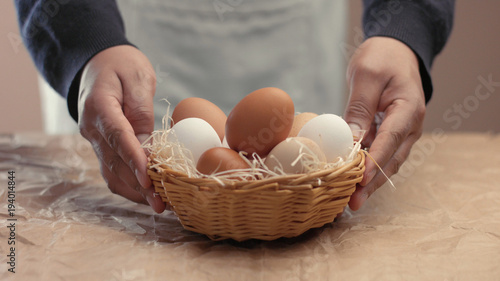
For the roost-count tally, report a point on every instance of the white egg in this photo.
(224, 143)
(196, 135)
(331, 133)
(295, 155)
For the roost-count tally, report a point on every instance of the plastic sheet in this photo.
(441, 223)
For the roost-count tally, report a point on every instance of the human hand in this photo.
(116, 115)
(383, 77)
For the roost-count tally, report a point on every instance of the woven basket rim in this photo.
(285, 182)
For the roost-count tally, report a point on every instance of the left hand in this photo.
(383, 76)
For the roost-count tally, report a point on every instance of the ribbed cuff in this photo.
(410, 24)
(96, 35)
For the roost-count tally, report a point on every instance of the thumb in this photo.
(364, 97)
(138, 100)
(360, 113)
(138, 93)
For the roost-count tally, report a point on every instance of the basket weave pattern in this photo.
(267, 209)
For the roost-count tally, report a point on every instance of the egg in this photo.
(260, 121)
(194, 134)
(331, 133)
(224, 143)
(201, 108)
(220, 159)
(294, 156)
(299, 121)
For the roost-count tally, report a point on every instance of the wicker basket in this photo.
(266, 209)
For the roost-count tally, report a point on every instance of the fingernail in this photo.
(139, 178)
(354, 127)
(150, 200)
(142, 138)
(356, 131)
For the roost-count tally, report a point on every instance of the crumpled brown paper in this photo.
(441, 223)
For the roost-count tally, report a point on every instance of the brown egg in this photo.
(260, 121)
(298, 122)
(203, 109)
(220, 159)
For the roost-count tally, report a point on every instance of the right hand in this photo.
(115, 109)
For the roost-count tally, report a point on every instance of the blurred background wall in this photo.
(466, 74)
(19, 99)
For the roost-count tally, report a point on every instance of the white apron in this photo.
(222, 50)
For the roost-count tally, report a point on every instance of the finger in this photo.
(119, 135)
(391, 168)
(369, 136)
(365, 87)
(119, 187)
(138, 93)
(154, 200)
(138, 195)
(114, 162)
(391, 134)
(362, 193)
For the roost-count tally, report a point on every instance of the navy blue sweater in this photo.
(62, 35)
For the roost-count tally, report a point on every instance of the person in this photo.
(81, 49)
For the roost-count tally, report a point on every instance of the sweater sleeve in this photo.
(423, 25)
(63, 35)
